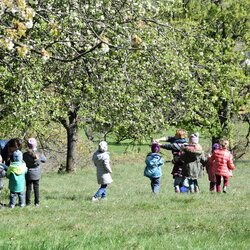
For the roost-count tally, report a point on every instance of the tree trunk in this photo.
(71, 126)
(72, 134)
(223, 118)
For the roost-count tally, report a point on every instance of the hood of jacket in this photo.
(17, 168)
(101, 155)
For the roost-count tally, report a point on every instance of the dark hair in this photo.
(155, 148)
(15, 143)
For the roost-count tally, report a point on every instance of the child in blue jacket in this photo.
(154, 162)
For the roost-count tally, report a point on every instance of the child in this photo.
(154, 162)
(223, 162)
(175, 144)
(194, 160)
(33, 159)
(210, 169)
(101, 160)
(179, 173)
(180, 137)
(16, 175)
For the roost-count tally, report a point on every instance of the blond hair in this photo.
(180, 133)
(224, 143)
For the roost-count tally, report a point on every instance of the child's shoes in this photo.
(94, 199)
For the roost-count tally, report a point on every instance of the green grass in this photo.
(132, 217)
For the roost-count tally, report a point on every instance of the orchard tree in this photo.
(78, 43)
(215, 41)
(130, 68)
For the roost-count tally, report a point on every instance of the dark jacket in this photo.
(4, 152)
(33, 160)
(3, 169)
(175, 146)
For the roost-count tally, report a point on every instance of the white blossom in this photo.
(10, 45)
(29, 24)
(105, 48)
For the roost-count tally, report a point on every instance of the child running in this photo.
(175, 144)
(103, 170)
(223, 162)
(194, 160)
(154, 162)
(210, 169)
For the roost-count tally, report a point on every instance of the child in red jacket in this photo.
(223, 163)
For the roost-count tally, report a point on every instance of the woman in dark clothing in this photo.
(8, 147)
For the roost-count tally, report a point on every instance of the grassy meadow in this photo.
(132, 217)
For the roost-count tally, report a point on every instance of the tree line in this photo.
(126, 68)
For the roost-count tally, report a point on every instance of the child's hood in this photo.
(102, 156)
(154, 158)
(17, 168)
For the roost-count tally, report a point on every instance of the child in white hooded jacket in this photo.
(101, 160)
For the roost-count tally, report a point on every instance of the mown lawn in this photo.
(132, 217)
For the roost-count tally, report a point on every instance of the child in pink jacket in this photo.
(223, 163)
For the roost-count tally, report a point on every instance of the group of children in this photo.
(21, 168)
(189, 161)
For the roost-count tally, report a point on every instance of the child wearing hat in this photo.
(194, 159)
(101, 160)
(211, 168)
(223, 163)
(33, 160)
(154, 162)
(16, 175)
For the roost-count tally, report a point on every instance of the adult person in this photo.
(8, 147)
